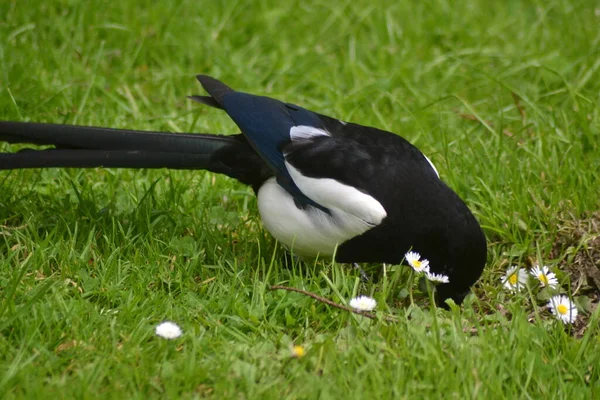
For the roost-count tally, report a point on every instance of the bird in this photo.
(325, 187)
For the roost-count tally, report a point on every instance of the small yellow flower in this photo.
(298, 351)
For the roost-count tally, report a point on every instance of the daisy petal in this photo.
(515, 279)
(433, 277)
(363, 303)
(414, 260)
(544, 276)
(168, 330)
(563, 309)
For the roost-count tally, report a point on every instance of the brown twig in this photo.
(470, 331)
(333, 304)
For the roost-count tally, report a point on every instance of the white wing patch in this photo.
(306, 232)
(432, 166)
(338, 196)
(303, 132)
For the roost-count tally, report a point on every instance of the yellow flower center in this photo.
(513, 279)
(298, 351)
(543, 278)
(562, 309)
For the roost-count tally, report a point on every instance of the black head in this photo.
(462, 260)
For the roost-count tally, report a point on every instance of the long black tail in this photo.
(88, 147)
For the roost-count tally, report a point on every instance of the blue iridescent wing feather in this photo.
(266, 123)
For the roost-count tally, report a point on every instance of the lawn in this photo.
(503, 97)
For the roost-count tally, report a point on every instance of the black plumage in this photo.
(421, 212)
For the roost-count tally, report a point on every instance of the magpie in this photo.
(324, 187)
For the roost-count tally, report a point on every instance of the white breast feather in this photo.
(311, 231)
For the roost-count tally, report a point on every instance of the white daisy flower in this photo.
(168, 330)
(545, 277)
(433, 277)
(563, 308)
(515, 279)
(363, 303)
(414, 260)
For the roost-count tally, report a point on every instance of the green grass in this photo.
(502, 96)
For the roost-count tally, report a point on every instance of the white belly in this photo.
(309, 232)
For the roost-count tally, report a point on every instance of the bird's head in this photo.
(462, 262)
